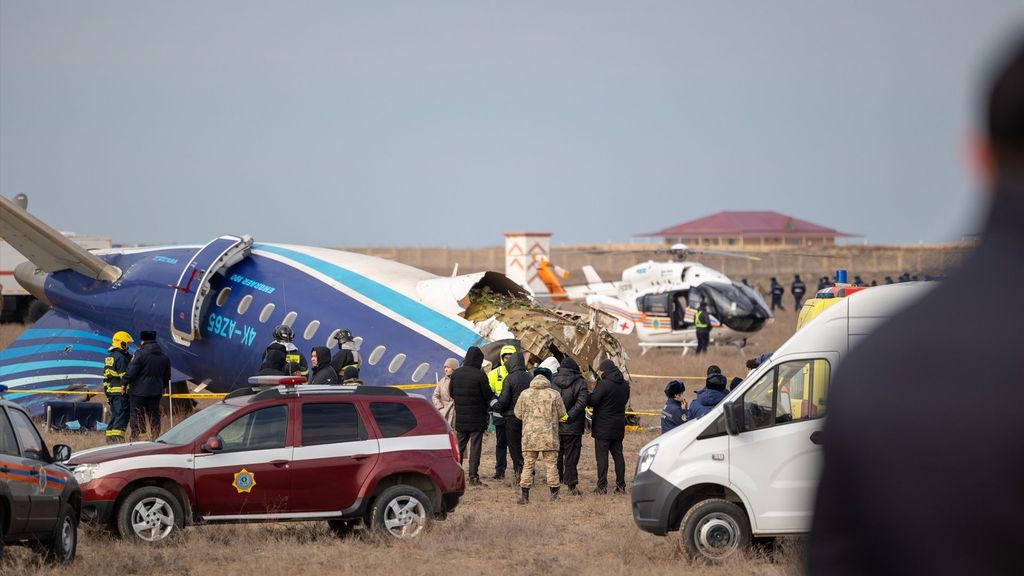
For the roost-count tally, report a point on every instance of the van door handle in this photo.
(360, 456)
(279, 463)
(816, 437)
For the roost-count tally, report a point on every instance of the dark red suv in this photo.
(346, 454)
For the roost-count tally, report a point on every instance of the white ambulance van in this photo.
(749, 468)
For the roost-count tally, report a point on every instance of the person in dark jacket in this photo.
(569, 383)
(798, 289)
(902, 490)
(674, 412)
(709, 397)
(473, 399)
(777, 291)
(148, 377)
(517, 380)
(321, 370)
(608, 426)
(273, 364)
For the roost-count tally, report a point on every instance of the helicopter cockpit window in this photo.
(728, 299)
(655, 304)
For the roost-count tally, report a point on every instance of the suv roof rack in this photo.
(260, 394)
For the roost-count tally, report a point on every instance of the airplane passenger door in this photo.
(252, 474)
(776, 461)
(194, 283)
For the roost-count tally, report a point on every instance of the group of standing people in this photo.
(283, 358)
(798, 289)
(538, 415)
(134, 385)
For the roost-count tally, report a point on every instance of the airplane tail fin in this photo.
(47, 248)
(591, 275)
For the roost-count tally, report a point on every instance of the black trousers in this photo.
(514, 431)
(475, 441)
(703, 339)
(500, 446)
(777, 302)
(145, 408)
(797, 300)
(601, 449)
(569, 458)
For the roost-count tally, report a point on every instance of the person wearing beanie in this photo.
(515, 382)
(551, 363)
(148, 377)
(473, 398)
(674, 412)
(540, 409)
(442, 397)
(321, 371)
(571, 386)
(608, 427)
(709, 397)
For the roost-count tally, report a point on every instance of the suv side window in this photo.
(8, 443)
(393, 418)
(790, 392)
(32, 444)
(258, 430)
(331, 423)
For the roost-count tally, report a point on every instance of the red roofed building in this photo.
(750, 230)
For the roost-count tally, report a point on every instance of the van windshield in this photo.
(193, 426)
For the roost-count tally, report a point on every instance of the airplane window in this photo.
(358, 341)
(330, 338)
(396, 362)
(266, 312)
(223, 296)
(289, 318)
(311, 329)
(420, 371)
(376, 355)
(243, 305)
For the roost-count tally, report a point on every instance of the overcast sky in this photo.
(447, 123)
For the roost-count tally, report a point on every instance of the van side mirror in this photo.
(214, 444)
(734, 421)
(61, 453)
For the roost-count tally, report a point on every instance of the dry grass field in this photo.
(488, 533)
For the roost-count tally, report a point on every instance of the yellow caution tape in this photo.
(631, 375)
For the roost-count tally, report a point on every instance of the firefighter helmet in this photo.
(284, 333)
(121, 340)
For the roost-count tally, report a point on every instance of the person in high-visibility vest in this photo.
(114, 367)
(702, 323)
(496, 378)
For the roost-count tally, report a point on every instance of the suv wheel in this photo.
(62, 546)
(150, 514)
(715, 529)
(401, 512)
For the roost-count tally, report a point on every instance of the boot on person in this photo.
(524, 498)
(554, 492)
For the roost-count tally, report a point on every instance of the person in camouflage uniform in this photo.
(541, 409)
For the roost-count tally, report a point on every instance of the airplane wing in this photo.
(47, 248)
(58, 353)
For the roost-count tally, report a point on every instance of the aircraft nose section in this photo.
(33, 280)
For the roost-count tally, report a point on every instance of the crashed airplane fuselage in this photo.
(214, 308)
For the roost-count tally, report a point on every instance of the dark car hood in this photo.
(131, 450)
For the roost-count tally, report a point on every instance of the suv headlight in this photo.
(646, 458)
(84, 473)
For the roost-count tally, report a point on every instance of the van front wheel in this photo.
(715, 529)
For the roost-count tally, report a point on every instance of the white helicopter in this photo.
(658, 300)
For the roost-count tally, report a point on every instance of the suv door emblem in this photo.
(244, 481)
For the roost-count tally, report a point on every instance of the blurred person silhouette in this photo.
(777, 291)
(899, 481)
(798, 289)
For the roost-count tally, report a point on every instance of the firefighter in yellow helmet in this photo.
(114, 367)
